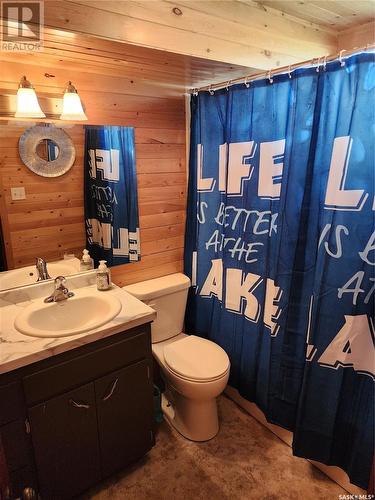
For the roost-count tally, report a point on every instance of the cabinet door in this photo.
(65, 440)
(125, 414)
(4, 474)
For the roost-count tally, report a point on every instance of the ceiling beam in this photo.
(231, 32)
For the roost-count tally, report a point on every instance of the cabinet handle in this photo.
(27, 426)
(111, 391)
(78, 405)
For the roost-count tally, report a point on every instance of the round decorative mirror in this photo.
(47, 150)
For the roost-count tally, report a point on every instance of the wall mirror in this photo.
(66, 189)
(47, 150)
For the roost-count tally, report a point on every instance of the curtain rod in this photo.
(318, 61)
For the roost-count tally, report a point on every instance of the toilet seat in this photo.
(198, 381)
(196, 359)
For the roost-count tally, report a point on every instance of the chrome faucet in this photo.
(41, 267)
(60, 292)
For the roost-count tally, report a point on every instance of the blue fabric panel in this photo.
(280, 218)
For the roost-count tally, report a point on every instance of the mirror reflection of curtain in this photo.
(52, 150)
(280, 247)
(111, 199)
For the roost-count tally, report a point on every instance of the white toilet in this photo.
(195, 370)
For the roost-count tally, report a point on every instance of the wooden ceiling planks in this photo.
(257, 39)
(334, 14)
(96, 63)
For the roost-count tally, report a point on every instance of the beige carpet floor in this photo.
(244, 461)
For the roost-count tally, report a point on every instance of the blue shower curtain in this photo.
(280, 248)
(111, 201)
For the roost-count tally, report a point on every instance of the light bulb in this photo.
(72, 106)
(27, 101)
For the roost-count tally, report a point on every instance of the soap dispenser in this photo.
(103, 276)
(86, 263)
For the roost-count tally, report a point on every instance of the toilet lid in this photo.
(196, 358)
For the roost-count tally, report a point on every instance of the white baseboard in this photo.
(334, 473)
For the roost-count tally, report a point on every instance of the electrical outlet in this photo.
(18, 193)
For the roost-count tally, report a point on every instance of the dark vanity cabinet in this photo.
(66, 449)
(69, 421)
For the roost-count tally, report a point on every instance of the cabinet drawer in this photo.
(62, 377)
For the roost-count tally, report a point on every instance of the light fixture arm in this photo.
(24, 83)
(70, 88)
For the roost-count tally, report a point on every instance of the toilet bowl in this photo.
(192, 386)
(195, 370)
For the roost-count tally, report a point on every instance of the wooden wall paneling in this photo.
(358, 36)
(86, 76)
(110, 114)
(5, 226)
(161, 207)
(130, 276)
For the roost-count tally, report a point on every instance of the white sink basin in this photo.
(87, 310)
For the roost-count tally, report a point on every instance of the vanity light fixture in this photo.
(27, 101)
(72, 106)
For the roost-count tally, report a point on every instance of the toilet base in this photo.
(196, 420)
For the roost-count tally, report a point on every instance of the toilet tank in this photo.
(167, 295)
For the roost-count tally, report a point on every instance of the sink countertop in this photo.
(17, 350)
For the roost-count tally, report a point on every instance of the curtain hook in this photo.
(210, 90)
(195, 91)
(342, 62)
(318, 64)
(270, 77)
(227, 86)
(289, 72)
(324, 62)
(247, 84)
